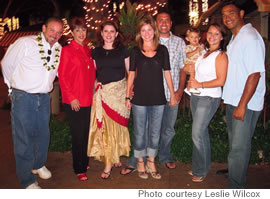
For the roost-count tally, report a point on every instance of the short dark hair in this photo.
(57, 19)
(163, 11)
(118, 42)
(226, 3)
(77, 22)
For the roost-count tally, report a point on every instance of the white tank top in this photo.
(205, 69)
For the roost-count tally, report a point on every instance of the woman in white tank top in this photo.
(211, 71)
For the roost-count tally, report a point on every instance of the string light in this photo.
(194, 11)
(10, 23)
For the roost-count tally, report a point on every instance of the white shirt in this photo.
(23, 67)
(176, 47)
(205, 70)
(246, 53)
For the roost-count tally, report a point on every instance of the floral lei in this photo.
(41, 51)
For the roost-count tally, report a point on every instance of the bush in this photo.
(60, 135)
(182, 143)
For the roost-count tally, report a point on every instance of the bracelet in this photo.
(128, 98)
(202, 85)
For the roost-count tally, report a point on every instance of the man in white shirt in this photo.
(243, 92)
(29, 69)
(176, 47)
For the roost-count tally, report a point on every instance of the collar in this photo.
(46, 44)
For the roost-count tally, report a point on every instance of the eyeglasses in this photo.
(48, 57)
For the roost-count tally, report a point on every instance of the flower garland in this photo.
(41, 51)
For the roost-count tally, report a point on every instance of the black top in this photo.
(148, 84)
(110, 64)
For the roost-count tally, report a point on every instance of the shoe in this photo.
(33, 186)
(172, 165)
(43, 173)
(194, 91)
(108, 174)
(142, 174)
(128, 169)
(154, 174)
(82, 176)
(223, 172)
(197, 179)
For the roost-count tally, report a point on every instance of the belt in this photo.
(25, 91)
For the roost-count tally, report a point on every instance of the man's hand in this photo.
(239, 113)
(178, 96)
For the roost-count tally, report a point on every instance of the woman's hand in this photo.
(193, 83)
(128, 104)
(75, 105)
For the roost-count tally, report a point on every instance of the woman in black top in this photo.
(109, 136)
(149, 61)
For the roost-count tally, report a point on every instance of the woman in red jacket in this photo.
(76, 78)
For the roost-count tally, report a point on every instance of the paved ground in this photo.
(63, 178)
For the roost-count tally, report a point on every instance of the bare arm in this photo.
(221, 72)
(127, 64)
(249, 90)
(179, 92)
(190, 54)
(131, 77)
(169, 82)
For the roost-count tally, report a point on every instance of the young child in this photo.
(193, 51)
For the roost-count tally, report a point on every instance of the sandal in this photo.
(173, 165)
(108, 174)
(154, 174)
(142, 174)
(128, 169)
(197, 179)
(82, 177)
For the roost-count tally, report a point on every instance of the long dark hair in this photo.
(118, 42)
(224, 42)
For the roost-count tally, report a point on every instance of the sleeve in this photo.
(182, 53)
(166, 65)
(94, 53)
(254, 53)
(12, 58)
(132, 63)
(64, 74)
(187, 48)
(126, 52)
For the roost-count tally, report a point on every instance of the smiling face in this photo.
(79, 34)
(147, 33)
(109, 34)
(164, 24)
(232, 18)
(214, 36)
(52, 32)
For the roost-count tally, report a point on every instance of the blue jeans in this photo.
(166, 136)
(30, 130)
(142, 115)
(167, 133)
(203, 109)
(240, 136)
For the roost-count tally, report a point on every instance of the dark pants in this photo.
(79, 126)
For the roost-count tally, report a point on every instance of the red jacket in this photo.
(77, 74)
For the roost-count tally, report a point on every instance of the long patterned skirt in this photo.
(109, 135)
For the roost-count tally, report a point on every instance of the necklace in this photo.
(41, 51)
